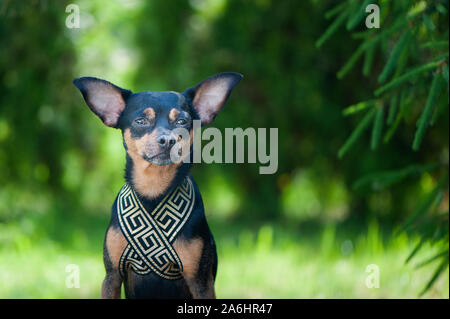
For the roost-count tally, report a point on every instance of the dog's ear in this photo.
(209, 96)
(104, 99)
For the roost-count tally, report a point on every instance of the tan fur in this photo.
(150, 180)
(185, 145)
(173, 114)
(190, 253)
(153, 180)
(115, 244)
(150, 113)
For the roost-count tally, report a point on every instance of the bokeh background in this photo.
(304, 232)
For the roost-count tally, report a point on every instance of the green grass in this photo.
(260, 261)
(332, 268)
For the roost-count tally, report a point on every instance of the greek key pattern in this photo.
(150, 235)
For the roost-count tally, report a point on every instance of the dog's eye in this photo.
(181, 122)
(141, 121)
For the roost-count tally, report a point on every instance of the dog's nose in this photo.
(166, 141)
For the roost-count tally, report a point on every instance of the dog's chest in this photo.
(151, 235)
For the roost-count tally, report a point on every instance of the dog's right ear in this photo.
(209, 96)
(105, 99)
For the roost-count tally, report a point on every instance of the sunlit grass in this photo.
(40, 272)
(255, 269)
(268, 262)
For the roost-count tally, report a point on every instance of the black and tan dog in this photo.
(158, 242)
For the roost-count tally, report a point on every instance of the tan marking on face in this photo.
(173, 114)
(150, 113)
(115, 245)
(150, 180)
(184, 145)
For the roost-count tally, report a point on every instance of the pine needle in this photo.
(430, 260)
(357, 132)
(407, 76)
(438, 112)
(356, 18)
(424, 120)
(445, 73)
(332, 29)
(404, 106)
(415, 250)
(384, 179)
(355, 108)
(423, 208)
(352, 61)
(396, 52)
(434, 45)
(393, 107)
(368, 60)
(335, 10)
(377, 128)
(436, 275)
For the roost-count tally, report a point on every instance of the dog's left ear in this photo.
(209, 97)
(105, 99)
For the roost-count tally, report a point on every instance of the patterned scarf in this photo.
(150, 235)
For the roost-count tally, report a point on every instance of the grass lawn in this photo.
(265, 261)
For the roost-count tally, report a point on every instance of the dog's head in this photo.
(149, 120)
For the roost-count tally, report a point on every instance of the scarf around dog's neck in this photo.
(150, 235)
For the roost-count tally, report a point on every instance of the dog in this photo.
(158, 243)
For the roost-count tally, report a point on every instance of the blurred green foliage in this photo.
(259, 261)
(61, 168)
(414, 77)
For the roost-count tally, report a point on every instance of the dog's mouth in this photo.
(162, 158)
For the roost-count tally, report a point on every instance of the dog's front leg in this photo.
(111, 286)
(201, 288)
(113, 247)
(197, 271)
